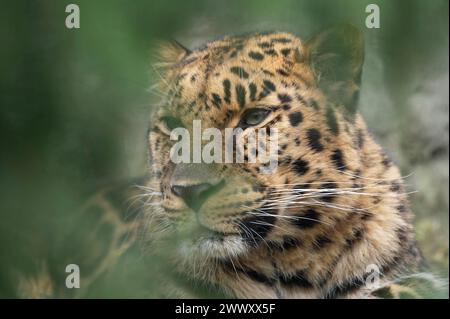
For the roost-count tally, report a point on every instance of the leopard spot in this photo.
(313, 135)
(301, 167)
(307, 220)
(295, 118)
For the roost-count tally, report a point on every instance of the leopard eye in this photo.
(171, 123)
(254, 117)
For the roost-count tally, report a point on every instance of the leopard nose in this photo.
(186, 192)
(195, 195)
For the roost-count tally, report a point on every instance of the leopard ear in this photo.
(172, 52)
(168, 55)
(336, 57)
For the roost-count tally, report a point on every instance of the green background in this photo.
(75, 105)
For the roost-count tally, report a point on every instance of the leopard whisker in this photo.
(265, 224)
(281, 216)
(154, 89)
(168, 85)
(262, 213)
(328, 192)
(286, 231)
(240, 225)
(152, 204)
(290, 204)
(142, 199)
(253, 231)
(308, 183)
(328, 205)
(146, 188)
(374, 179)
(381, 183)
(232, 263)
(296, 189)
(264, 241)
(158, 94)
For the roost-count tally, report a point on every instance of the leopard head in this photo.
(306, 92)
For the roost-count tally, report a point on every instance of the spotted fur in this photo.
(335, 205)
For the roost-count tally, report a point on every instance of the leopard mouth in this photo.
(203, 233)
(213, 247)
(204, 242)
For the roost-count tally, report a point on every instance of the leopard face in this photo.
(226, 84)
(307, 92)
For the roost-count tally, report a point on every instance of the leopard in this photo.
(332, 221)
(332, 218)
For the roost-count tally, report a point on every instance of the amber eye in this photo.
(171, 122)
(254, 117)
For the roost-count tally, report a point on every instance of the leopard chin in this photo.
(213, 247)
(197, 241)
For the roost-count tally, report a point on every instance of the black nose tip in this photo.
(195, 195)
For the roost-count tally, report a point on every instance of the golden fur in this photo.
(336, 202)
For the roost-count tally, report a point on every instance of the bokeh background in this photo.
(75, 105)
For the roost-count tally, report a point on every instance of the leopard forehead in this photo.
(228, 75)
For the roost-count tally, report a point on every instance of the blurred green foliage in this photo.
(75, 106)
